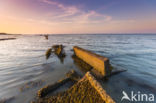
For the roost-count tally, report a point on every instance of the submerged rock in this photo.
(70, 76)
(50, 88)
(31, 84)
(58, 50)
(73, 75)
(46, 37)
(48, 53)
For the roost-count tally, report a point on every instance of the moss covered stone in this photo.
(50, 88)
(73, 75)
(81, 92)
(83, 66)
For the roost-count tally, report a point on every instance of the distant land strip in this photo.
(8, 34)
(7, 39)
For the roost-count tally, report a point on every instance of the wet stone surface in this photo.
(81, 92)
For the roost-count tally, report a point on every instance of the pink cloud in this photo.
(74, 14)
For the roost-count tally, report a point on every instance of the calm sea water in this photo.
(22, 60)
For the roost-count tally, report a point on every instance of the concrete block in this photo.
(99, 63)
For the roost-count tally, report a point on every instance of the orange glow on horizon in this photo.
(66, 19)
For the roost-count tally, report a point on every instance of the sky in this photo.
(77, 16)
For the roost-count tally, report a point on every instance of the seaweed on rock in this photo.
(81, 92)
(83, 66)
(48, 53)
(58, 50)
(73, 75)
(70, 76)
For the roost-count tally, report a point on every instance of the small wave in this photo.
(39, 64)
(141, 84)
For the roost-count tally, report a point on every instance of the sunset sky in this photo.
(77, 16)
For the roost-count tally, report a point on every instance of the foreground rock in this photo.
(86, 90)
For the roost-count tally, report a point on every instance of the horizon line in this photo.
(1, 33)
(72, 33)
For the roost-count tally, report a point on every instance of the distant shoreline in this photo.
(42, 34)
(8, 34)
(7, 39)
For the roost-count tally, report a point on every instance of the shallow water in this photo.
(22, 60)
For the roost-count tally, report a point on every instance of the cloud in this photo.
(54, 3)
(73, 14)
(67, 9)
(93, 16)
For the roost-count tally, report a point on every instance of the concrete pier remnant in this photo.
(86, 90)
(99, 63)
(94, 83)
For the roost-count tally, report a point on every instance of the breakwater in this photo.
(99, 63)
(98, 88)
(86, 90)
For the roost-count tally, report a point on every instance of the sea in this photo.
(23, 61)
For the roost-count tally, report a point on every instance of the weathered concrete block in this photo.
(98, 88)
(50, 88)
(100, 63)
